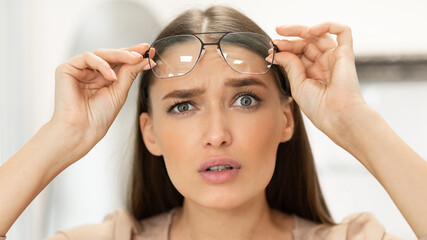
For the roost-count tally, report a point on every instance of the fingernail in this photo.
(113, 74)
(148, 65)
(144, 44)
(269, 59)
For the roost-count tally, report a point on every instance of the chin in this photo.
(222, 199)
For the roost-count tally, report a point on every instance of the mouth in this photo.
(219, 170)
(219, 164)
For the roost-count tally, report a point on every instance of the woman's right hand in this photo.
(89, 93)
(91, 89)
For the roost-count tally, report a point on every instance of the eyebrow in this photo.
(233, 82)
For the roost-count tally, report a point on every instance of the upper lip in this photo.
(217, 161)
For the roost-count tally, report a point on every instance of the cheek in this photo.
(258, 133)
(178, 142)
(257, 138)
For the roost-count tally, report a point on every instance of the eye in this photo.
(179, 108)
(247, 100)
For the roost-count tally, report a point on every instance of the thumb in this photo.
(293, 66)
(127, 74)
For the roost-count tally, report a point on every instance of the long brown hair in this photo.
(294, 187)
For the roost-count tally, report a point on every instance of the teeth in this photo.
(219, 168)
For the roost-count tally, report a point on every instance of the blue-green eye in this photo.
(245, 100)
(182, 107)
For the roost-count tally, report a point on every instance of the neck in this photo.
(252, 220)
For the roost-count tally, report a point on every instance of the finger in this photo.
(295, 31)
(343, 32)
(314, 72)
(324, 62)
(152, 53)
(141, 48)
(119, 55)
(293, 46)
(306, 62)
(89, 60)
(127, 74)
(298, 47)
(311, 52)
(294, 68)
(325, 42)
(87, 75)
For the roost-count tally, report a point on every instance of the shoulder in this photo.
(362, 225)
(116, 225)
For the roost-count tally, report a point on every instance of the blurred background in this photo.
(36, 36)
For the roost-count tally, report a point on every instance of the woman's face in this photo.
(230, 114)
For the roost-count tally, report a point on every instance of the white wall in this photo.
(36, 36)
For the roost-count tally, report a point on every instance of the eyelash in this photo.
(258, 99)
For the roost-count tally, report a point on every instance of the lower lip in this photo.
(219, 176)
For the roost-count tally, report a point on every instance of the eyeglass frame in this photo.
(202, 48)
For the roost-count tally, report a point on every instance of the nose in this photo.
(217, 133)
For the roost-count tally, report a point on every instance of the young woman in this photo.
(223, 152)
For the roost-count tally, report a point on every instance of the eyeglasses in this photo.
(244, 52)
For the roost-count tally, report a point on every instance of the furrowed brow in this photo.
(234, 82)
(184, 93)
(242, 82)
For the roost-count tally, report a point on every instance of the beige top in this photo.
(119, 225)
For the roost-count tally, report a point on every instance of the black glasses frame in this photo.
(202, 49)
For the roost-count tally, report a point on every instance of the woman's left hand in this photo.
(322, 73)
(324, 83)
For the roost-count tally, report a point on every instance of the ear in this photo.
(146, 124)
(288, 120)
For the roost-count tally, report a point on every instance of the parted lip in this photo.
(217, 161)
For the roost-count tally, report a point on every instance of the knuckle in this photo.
(63, 68)
(347, 28)
(87, 55)
(59, 68)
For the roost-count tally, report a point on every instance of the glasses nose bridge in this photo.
(210, 44)
(218, 48)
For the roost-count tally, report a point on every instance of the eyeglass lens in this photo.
(243, 52)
